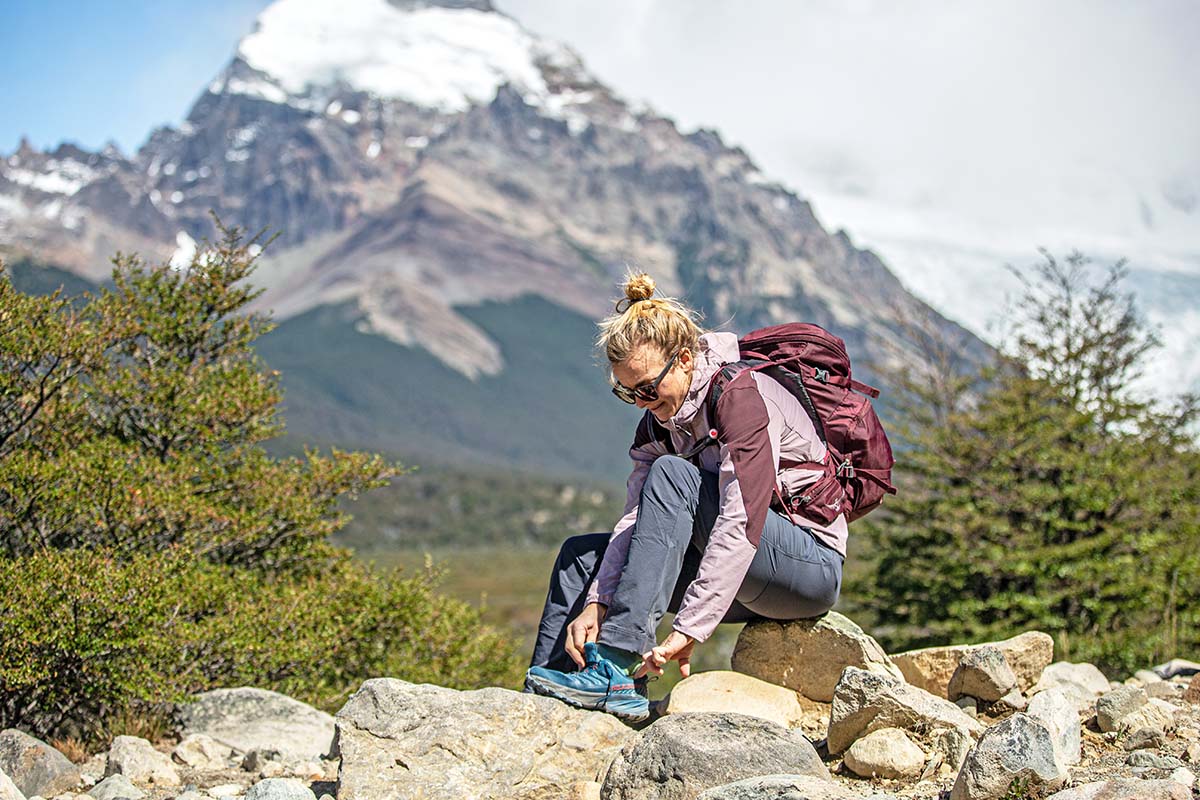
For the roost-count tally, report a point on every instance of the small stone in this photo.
(968, 705)
(1192, 752)
(1184, 777)
(136, 759)
(271, 769)
(1147, 677)
(983, 674)
(254, 759)
(199, 751)
(931, 668)
(885, 753)
(1084, 682)
(1192, 694)
(1163, 690)
(226, 790)
(1013, 701)
(310, 770)
(115, 786)
(1117, 704)
(1141, 758)
(1144, 738)
(279, 789)
(1057, 712)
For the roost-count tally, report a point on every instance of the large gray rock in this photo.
(115, 787)
(1058, 713)
(8, 789)
(1125, 789)
(885, 753)
(1119, 703)
(279, 789)
(931, 668)
(866, 702)
(247, 718)
(399, 739)
(808, 655)
(35, 767)
(1083, 682)
(138, 761)
(1019, 750)
(984, 674)
(1155, 715)
(680, 756)
(784, 787)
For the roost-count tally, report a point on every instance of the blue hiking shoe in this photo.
(600, 686)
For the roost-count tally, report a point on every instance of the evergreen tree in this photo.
(1045, 493)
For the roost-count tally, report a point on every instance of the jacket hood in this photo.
(716, 350)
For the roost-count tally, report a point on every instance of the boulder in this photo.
(1125, 789)
(1144, 739)
(35, 767)
(680, 756)
(1117, 704)
(808, 655)
(8, 789)
(114, 787)
(1141, 758)
(1083, 682)
(885, 753)
(1184, 776)
(1164, 690)
(724, 690)
(983, 674)
(279, 789)
(399, 739)
(137, 760)
(931, 668)
(865, 702)
(1177, 666)
(783, 787)
(248, 718)
(1057, 712)
(202, 752)
(1020, 750)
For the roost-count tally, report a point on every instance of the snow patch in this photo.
(12, 207)
(440, 58)
(417, 142)
(177, 197)
(373, 149)
(168, 169)
(52, 209)
(260, 89)
(351, 117)
(185, 250)
(60, 177)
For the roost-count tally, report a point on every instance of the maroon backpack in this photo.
(812, 364)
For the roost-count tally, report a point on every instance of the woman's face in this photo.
(644, 365)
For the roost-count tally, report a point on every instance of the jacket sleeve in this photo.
(747, 482)
(644, 451)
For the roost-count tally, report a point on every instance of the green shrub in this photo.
(87, 634)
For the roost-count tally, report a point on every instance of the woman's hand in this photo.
(676, 647)
(584, 628)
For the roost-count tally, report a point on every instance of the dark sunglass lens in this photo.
(623, 394)
(647, 393)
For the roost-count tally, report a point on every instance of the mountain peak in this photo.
(444, 55)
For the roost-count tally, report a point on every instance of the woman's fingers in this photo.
(576, 638)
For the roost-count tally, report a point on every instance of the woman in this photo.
(698, 536)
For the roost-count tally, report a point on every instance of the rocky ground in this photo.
(811, 711)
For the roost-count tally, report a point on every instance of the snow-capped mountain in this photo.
(423, 158)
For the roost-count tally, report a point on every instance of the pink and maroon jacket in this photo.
(761, 425)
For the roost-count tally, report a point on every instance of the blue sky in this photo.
(93, 70)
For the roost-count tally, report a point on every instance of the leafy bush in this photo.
(1043, 493)
(87, 634)
(150, 547)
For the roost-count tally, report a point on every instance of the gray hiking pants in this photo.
(793, 575)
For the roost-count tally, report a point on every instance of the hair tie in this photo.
(628, 302)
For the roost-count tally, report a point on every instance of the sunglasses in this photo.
(647, 392)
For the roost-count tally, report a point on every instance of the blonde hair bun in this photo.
(639, 287)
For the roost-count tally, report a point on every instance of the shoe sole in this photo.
(585, 700)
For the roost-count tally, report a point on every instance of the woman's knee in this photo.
(583, 545)
(671, 473)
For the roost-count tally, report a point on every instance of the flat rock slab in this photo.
(1119, 703)
(35, 767)
(1126, 789)
(808, 655)
(1083, 682)
(865, 702)
(401, 740)
(258, 719)
(678, 757)
(785, 787)
(723, 690)
(931, 668)
(1018, 750)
